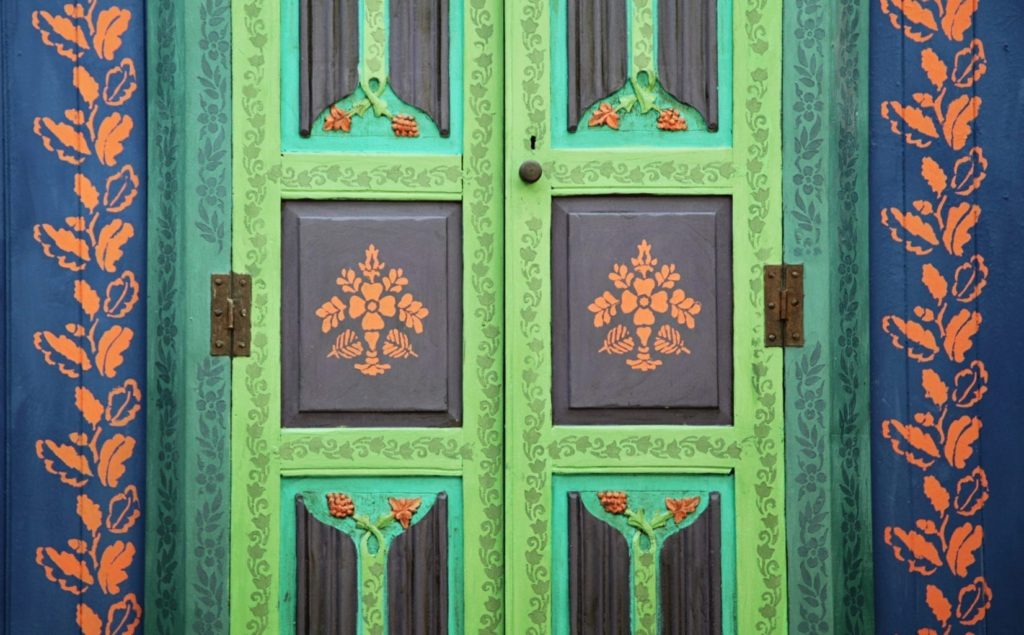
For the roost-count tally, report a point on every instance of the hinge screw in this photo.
(218, 281)
(218, 312)
(795, 302)
(242, 282)
(219, 344)
(795, 274)
(771, 305)
(795, 336)
(241, 345)
(244, 312)
(771, 337)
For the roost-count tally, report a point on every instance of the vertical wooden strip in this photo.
(328, 56)
(597, 43)
(691, 576)
(418, 575)
(688, 54)
(189, 146)
(418, 51)
(326, 577)
(599, 574)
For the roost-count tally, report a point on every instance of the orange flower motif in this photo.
(671, 121)
(645, 302)
(605, 115)
(338, 119)
(371, 306)
(644, 297)
(614, 502)
(682, 507)
(373, 299)
(405, 126)
(340, 505)
(403, 509)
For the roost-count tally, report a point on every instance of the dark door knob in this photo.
(530, 171)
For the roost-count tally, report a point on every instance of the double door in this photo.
(508, 369)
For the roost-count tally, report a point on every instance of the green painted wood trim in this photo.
(187, 528)
(828, 416)
(533, 453)
(262, 455)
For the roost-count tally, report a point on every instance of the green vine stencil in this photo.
(296, 448)
(666, 172)
(356, 178)
(644, 445)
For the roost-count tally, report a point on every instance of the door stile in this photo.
(264, 454)
(752, 449)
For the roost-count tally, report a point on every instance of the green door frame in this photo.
(190, 229)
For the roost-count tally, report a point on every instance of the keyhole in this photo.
(533, 142)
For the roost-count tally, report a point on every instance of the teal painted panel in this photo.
(646, 492)
(369, 133)
(636, 129)
(370, 495)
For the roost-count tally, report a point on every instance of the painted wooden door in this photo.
(643, 410)
(588, 443)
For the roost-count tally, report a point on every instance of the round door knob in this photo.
(530, 171)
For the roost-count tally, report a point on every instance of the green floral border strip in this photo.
(671, 172)
(352, 178)
(645, 445)
(375, 447)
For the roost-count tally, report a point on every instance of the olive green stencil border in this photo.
(379, 487)
(261, 451)
(754, 182)
(667, 485)
(189, 237)
(826, 228)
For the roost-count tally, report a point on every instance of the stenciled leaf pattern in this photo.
(943, 440)
(94, 239)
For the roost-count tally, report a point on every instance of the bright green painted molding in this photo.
(189, 237)
(646, 492)
(370, 496)
(750, 172)
(643, 37)
(369, 133)
(827, 415)
(263, 454)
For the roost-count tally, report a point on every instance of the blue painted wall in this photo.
(73, 368)
(947, 563)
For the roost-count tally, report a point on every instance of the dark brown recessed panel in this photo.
(370, 322)
(597, 47)
(688, 54)
(418, 575)
(599, 578)
(642, 310)
(691, 576)
(328, 56)
(418, 60)
(326, 578)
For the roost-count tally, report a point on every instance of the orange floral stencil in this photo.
(645, 298)
(372, 303)
(942, 439)
(90, 239)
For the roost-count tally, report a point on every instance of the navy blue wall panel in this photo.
(946, 278)
(73, 340)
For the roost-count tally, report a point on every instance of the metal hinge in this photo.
(230, 314)
(784, 305)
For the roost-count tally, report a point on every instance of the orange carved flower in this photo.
(670, 120)
(338, 119)
(403, 509)
(372, 306)
(605, 115)
(682, 507)
(614, 502)
(340, 505)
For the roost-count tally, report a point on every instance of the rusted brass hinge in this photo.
(230, 314)
(784, 305)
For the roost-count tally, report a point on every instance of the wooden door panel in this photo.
(371, 313)
(642, 310)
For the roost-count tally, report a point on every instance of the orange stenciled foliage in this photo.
(942, 440)
(91, 237)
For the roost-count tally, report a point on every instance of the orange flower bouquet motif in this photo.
(646, 298)
(372, 303)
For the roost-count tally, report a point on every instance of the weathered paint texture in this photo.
(946, 108)
(74, 166)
